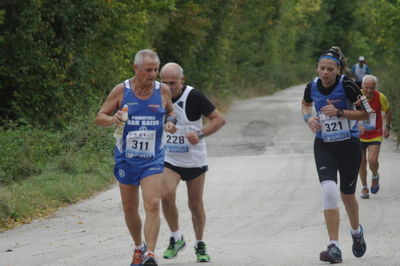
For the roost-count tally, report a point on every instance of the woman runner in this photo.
(338, 106)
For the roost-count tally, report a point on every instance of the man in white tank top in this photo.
(186, 158)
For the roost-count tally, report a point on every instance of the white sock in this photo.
(357, 231)
(140, 247)
(198, 241)
(335, 242)
(176, 235)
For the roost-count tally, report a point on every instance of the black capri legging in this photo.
(343, 156)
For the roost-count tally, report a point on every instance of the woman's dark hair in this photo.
(335, 52)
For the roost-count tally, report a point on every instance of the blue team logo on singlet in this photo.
(121, 173)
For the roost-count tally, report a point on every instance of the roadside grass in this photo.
(68, 179)
(42, 170)
(389, 86)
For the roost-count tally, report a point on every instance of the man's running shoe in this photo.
(359, 246)
(173, 248)
(138, 256)
(365, 193)
(332, 254)
(201, 252)
(149, 259)
(375, 184)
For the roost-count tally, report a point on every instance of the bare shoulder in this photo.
(165, 90)
(114, 99)
(117, 92)
(118, 89)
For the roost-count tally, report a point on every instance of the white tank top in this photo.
(360, 72)
(178, 150)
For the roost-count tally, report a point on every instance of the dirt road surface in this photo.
(262, 197)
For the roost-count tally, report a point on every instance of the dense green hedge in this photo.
(26, 151)
(59, 57)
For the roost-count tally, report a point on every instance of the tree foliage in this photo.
(60, 57)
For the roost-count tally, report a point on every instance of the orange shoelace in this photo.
(137, 257)
(150, 254)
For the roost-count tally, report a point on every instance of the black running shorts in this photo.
(187, 173)
(343, 156)
(365, 145)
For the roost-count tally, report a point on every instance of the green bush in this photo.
(388, 84)
(42, 170)
(58, 57)
(27, 151)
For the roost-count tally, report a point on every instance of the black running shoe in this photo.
(149, 259)
(359, 246)
(332, 254)
(201, 252)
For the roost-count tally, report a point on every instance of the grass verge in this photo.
(67, 179)
(43, 169)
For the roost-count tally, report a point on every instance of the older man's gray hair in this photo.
(139, 57)
(370, 77)
(174, 66)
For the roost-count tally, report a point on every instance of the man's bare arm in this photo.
(107, 116)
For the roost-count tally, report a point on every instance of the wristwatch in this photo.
(339, 113)
(200, 134)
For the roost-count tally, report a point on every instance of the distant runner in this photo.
(360, 69)
(372, 131)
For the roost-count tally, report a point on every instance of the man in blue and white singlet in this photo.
(186, 158)
(139, 155)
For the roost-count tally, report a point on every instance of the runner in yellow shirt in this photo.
(372, 131)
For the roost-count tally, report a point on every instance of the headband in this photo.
(331, 58)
